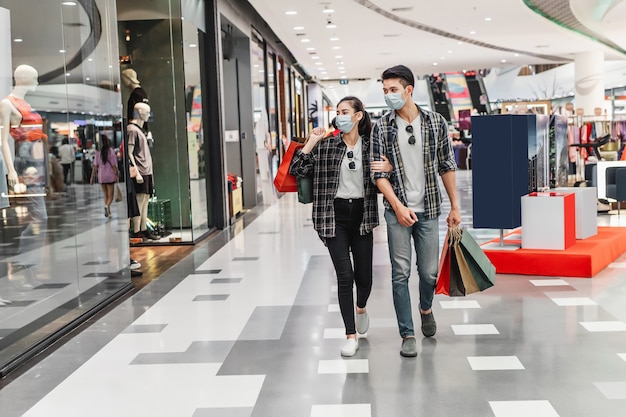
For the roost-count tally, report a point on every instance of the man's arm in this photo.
(449, 183)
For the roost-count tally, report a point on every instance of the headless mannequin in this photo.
(26, 168)
(143, 161)
(25, 81)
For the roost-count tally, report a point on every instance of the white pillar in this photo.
(589, 81)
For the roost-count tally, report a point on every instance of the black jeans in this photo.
(348, 218)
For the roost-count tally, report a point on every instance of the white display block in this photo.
(548, 221)
(586, 210)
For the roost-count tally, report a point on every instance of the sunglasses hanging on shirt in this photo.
(351, 164)
(409, 130)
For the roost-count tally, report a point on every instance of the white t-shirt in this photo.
(413, 162)
(351, 180)
(67, 154)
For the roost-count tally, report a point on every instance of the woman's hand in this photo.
(382, 166)
(139, 178)
(317, 134)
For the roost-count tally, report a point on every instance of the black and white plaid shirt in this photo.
(438, 156)
(324, 163)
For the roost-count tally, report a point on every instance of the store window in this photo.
(160, 65)
(63, 245)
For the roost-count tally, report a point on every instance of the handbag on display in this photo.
(305, 189)
(284, 181)
(463, 266)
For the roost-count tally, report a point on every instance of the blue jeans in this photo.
(425, 234)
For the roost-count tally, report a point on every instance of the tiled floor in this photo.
(253, 330)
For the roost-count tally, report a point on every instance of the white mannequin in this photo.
(142, 114)
(25, 81)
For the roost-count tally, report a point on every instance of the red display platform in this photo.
(584, 259)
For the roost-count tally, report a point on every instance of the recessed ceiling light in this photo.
(503, 61)
(330, 25)
(318, 63)
(193, 45)
(516, 54)
(323, 72)
(338, 56)
(310, 48)
(342, 72)
(488, 19)
(328, 10)
(305, 40)
(472, 32)
(341, 68)
(67, 74)
(62, 51)
(336, 47)
(442, 57)
(434, 63)
(344, 76)
(449, 52)
(68, 3)
(326, 78)
(334, 38)
(18, 40)
(291, 12)
(298, 28)
(315, 57)
(459, 43)
(87, 78)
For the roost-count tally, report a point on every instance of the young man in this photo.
(417, 144)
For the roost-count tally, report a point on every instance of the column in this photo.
(589, 81)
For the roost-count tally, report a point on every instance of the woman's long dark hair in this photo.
(365, 125)
(104, 150)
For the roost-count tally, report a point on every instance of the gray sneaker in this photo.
(362, 323)
(409, 347)
(429, 325)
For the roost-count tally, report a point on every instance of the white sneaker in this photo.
(134, 264)
(362, 323)
(350, 347)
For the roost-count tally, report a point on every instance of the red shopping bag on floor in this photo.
(284, 181)
(443, 274)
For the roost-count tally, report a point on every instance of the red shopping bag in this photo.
(443, 274)
(284, 181)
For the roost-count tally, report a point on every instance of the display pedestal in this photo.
(548, 221)
(586, 210)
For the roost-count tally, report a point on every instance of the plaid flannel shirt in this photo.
(324, 163)
(438, 156)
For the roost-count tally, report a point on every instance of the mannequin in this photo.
(137, 94)
(140, 157)
(24, 151)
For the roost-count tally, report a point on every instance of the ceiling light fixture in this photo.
(18, 40)
(310, 48)
(291, 13)
(330, 24)
(305, 40)
(328, 10)
(334, 38)
(487, 19)
(298, 28)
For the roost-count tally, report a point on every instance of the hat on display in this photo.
(131, 75)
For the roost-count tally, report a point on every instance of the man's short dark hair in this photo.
(401, 72)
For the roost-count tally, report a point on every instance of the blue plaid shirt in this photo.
(438, 156)
(324, 163)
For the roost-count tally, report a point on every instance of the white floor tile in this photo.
(344, 366)
(574, 301)
(617, 265)
(604, 326)
(337, 333)
(474, 329)
(523, 409)
(457, 304)
(549, 282)
(342, 410)
(333, 308)
(494, 363)
(622, 355)
(614, 390)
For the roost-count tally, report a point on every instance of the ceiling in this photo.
(430, 37)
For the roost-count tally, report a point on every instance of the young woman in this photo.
(105, 167)
(345, 208)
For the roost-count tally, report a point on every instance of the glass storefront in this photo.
(60, 256)
(167, 77)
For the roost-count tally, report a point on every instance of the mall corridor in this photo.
(252, 328)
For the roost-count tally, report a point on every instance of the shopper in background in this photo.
(105, 168)
(345, 208)
(417, 144)
(67, 154)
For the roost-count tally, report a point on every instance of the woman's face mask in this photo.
(344, 122)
